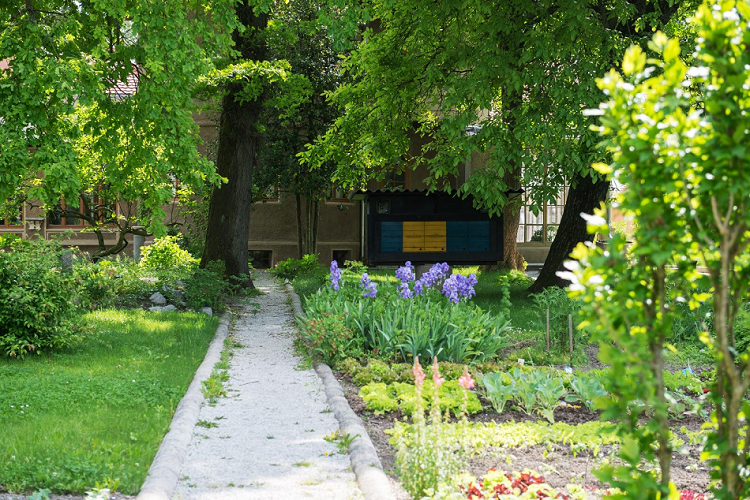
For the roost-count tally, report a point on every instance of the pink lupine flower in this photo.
(436, 373)
(465, 380)
(419, 375)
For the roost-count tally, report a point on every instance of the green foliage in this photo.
(589, 389)
(306, 284)
(496, 391)
(589, 436)
(73, 126)
(426, 326)
(166, 253)
(381, 398)
(379, 371)
(433, 452)
(290, 268)
(679, 380)
(37, 312)
(519, 76)
(97, 413)
(207, 287)
(331, 340)
(514, 277)
(534, 391)
(681, 157)
(560, 306)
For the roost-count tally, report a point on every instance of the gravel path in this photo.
(268, 441)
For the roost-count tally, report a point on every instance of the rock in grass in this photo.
(208, 311)
(158, 299)
(169, 307)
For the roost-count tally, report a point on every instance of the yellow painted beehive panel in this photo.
(434, 239)
(413, 236)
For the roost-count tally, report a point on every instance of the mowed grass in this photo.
(96, 414)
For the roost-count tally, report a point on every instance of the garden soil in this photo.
(558, 466)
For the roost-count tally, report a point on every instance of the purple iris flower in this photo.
(335, 276)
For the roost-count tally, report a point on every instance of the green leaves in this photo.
(101, 93)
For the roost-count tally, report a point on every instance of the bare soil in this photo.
(558, 466)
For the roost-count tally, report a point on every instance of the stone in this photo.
(158, 299)
(207, 310)
(169, 307)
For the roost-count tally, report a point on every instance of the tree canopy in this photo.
(517, 74)
(99, 95)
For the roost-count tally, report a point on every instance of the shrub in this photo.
(330, 339)
(37, 312)
(207, 287)
(290, 268)
(165, 253)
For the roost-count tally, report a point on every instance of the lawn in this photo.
(96, 414)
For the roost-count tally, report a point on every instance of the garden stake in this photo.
(570, 335)
(547, 330)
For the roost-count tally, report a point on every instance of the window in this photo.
(57, 218)
(13, 222)
(542, 227)
(395, 180)
(340, 256)
(269, 194)
(260, 259)
(337, 194)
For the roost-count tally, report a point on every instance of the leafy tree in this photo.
(519, 72)
(71, 123)
(297, 35)
(249, 82)
(682, 160)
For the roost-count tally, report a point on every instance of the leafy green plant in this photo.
(430, 454)
(37, 310)
(165, 253)
(290, 268)
(589, 436)
(207, 287)
(331, 340)
(382, 398)
(426, 326)
(342, 441)
(588, 388)
(556, 301)
(681, 156)
(680, 380)
(497, 392)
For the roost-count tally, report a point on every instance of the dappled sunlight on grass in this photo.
(97, 412)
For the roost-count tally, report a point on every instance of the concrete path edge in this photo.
(373, 482)
(162, 478)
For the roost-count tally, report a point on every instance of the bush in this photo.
(330, 339)
(207, 287)
(37, 312)
(165, 253)
(290, 268)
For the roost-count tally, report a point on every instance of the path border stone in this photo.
(373, 482)
(162, 478)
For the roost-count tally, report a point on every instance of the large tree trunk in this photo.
(229, 209)
(511, 219)
(511, 212)
(584, 197)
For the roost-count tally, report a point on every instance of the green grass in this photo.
(97, 413)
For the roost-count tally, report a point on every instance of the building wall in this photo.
(273, 226)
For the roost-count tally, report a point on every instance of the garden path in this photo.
(268, 438)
